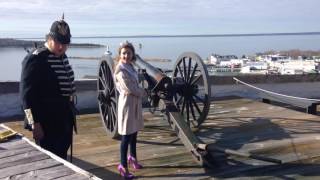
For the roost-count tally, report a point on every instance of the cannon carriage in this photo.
(183, 98)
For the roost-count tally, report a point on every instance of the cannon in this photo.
(183, 98)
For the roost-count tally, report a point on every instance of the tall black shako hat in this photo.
(60, 31)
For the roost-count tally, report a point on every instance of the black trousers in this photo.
(127, 140)
(58, 143)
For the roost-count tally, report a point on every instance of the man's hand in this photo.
(37, 131)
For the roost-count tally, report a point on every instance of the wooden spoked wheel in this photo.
(192, 91)
(107, 96)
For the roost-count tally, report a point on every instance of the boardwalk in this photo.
(240, 124)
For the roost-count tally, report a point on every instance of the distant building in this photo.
(296, 67)
(254, 66)
(228, 61)
(274, 58)
(213, 59)
(264, 64)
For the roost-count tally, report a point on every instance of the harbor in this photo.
(301, 62)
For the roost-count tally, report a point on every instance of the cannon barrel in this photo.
(163, 83)
(155, 73)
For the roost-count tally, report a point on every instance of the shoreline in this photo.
(196, 35)
(15, 43)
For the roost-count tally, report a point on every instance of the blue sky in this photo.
(32, 18)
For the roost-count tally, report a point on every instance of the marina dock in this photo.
(235, 123)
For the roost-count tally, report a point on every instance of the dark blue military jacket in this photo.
(39, 91)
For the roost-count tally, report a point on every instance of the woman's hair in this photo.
(128, 45)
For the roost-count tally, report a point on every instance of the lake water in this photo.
(163, 47)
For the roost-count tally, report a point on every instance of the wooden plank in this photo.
(107, 173)
(31, 162)
(73, 177)
(24, 168)
(48, 173)
(25, 158)
(14, 152)
(13, 144)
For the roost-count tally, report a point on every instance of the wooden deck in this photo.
(22, 159)
(240, 124)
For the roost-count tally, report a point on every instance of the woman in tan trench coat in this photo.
(130, 119)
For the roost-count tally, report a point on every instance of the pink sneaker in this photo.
(133, 161)
(125, 173)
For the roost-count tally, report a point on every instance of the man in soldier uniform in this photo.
(47, 90)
